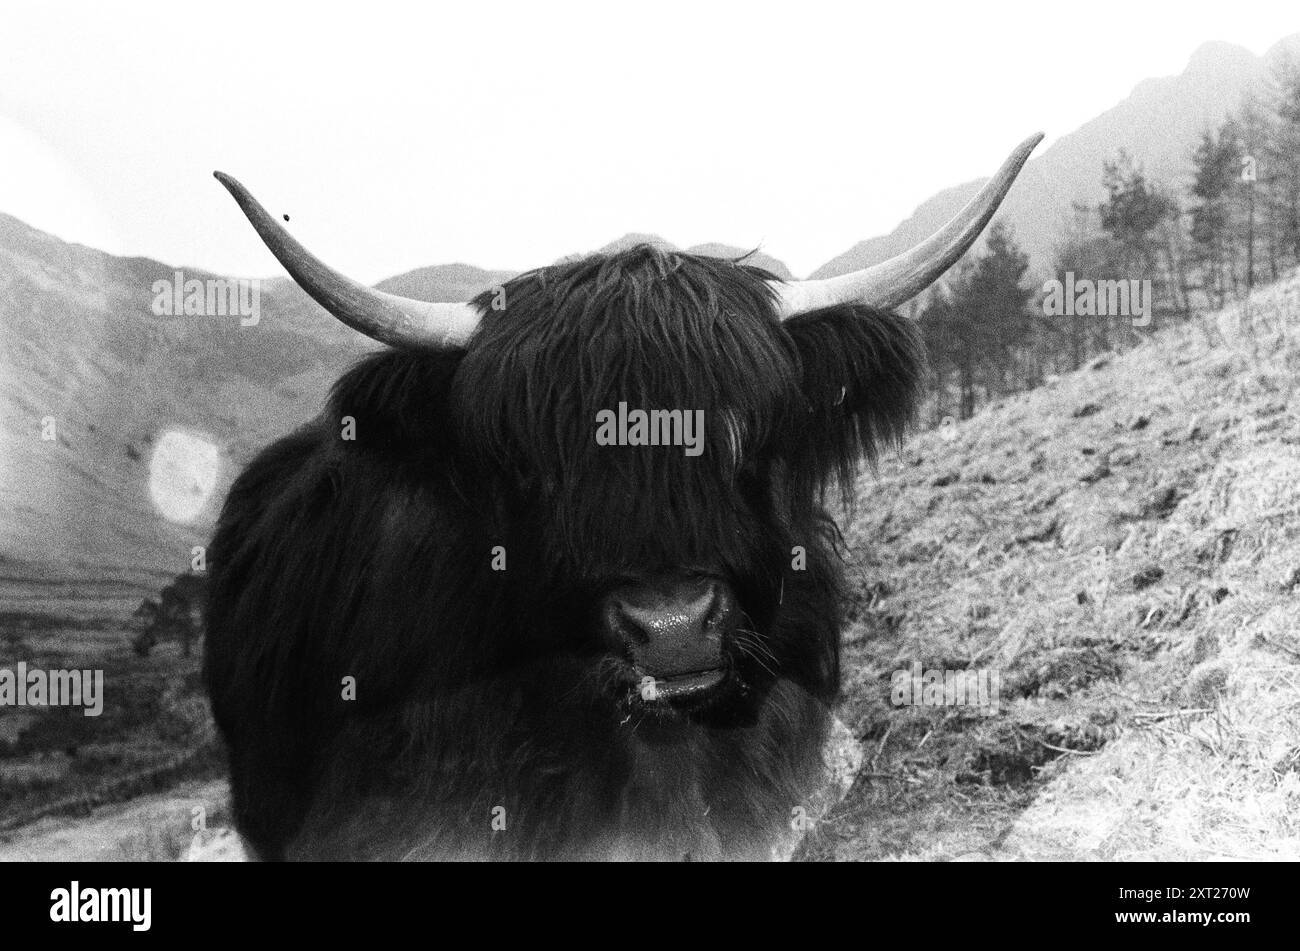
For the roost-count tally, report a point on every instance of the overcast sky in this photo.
(507, 135)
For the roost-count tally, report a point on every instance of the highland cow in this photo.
(474, 630)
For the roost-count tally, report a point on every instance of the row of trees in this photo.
(1235, 225)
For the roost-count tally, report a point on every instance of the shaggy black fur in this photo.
(476, 688)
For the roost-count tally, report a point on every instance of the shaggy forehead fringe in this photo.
(650, 328)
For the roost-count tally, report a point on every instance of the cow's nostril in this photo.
(672, 626)
(676, 618)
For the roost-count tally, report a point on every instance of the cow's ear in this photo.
(397, 404)
(863, 374)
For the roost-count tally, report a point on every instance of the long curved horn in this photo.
(893, 282)
(397, 321)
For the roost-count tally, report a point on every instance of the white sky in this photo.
(506, 135)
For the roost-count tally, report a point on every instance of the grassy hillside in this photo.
(1123, 546)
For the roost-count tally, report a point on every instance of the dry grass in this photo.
(1123, 546)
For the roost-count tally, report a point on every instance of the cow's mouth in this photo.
(680, 688)
(670, 694)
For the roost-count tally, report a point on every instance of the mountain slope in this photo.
(1158, 124)
(81, 348)
(1122, 548)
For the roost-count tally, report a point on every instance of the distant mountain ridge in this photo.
(1158, 124)
(444, 283)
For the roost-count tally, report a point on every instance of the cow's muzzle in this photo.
(674, 630)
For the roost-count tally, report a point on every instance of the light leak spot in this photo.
(182, 475)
